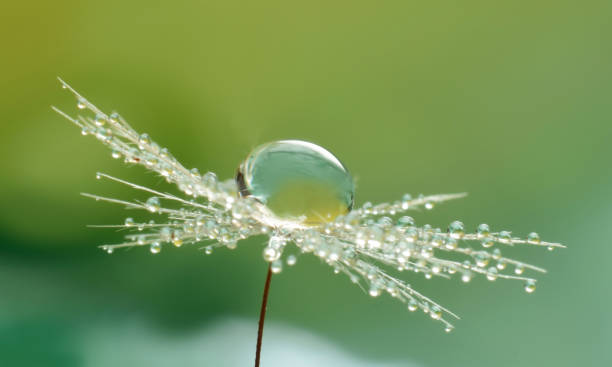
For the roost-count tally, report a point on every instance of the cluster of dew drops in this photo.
(365, 244)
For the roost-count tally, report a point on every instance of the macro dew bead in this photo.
(297, 180)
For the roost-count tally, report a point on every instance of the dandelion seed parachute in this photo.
(363, 243)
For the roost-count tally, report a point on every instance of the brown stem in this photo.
(262, 316)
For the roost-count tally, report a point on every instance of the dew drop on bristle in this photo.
(297, 179)
(155, 248)
(530, 286)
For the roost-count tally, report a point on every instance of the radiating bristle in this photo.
(361, 244)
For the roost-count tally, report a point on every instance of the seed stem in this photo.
(262, 315)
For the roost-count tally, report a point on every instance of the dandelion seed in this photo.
(299, 194)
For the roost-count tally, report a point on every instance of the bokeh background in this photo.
(507, 100)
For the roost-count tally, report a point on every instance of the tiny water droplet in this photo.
(276, 266)
(100, 120)
(429, 205)
(270, 254)
(483, 230)
(492, 273)
(153, 204)
(98, 176)
(291, 260)
(143, 140)
(530, 286)
(113, 118)
(129, 222)
(435, 313)
(519, 269)
(155, 248)
(81, 103)
(208, 250)
(412, 305)
(456, 229)
(533, 238)
(116, 154)
(505, 237)
(448, 329)
(487, 242)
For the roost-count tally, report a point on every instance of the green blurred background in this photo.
(509, 101)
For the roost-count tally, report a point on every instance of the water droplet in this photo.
(155, 248)
(429, 205)
(116, 154)
(178, 242)
(140, 240)
(448, 329)
(291, 260)
(405, 221)
(100, 120)
(208, 250)
(231, 245)
(533, 238)
(530, 286)
(81, 103)
(487, 242)
(501, 264)
(84, 130)
(297, 179)
(153, 204)
(466, 277)
(276, 266)
(270, 254)
(456, 229)
(483, 230)
(492, 273)
(143, 141)
(109, 249)
(505, 237)
(519, 269)
(412, 305)
(98, 176)
(435, 313)
(374, 290)
(129, 222)
(450, 243)
(113, 118)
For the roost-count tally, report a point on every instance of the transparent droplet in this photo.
(81, 103)
(505, 237)
(143, 140)
(129, 222)
(108, 249)
(177, 242)
(100, 120)
(519, 269)
(405, 221)
(276, 266)
(483, 230)
(374, 290)
(270, 254)
(155, 248)
(456, 229)
(412, 305)
(153, 204)
(492, 273)
(116, 154)
(487, 242)
(297, 179)
(429, 205)
(448, 329)
(291, 260)
(113, 118)
(208, 250)
(533, 238)
(435, 313)
(530, 286)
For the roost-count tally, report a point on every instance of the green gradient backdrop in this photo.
(509, 101)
